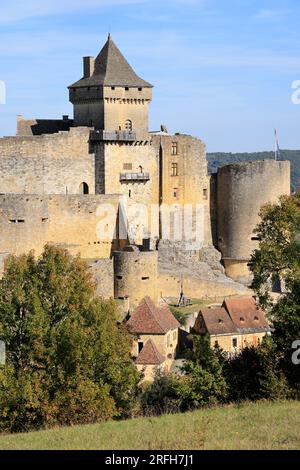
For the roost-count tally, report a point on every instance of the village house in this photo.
(155, 331)
(238, 323)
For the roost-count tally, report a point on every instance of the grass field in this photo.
(264, 425)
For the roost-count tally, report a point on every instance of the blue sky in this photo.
(222, 69)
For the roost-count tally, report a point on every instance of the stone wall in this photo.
(28, 222)
(103, 273)
(47, 164)
(188, 184)
(29, 127)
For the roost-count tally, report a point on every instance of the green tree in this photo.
(68, 361)
(255, 374)
(278, 257)
(205, 371)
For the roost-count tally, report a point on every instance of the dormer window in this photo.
(256, 318)
(242, 319)
(220, 321)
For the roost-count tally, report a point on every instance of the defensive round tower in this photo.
(242, 189)
(135, 274)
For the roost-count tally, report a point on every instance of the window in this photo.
(126, 88)
(216, 344)
(242, 319)
(145, 278)
(113, 87)
(119, 277)
(140, 346)
(175, 193)
(205, 193)
(174, 148)
(84, 188)
(256, 318)
(128, 125)
(140, 89)
(174, 169)
(127, 166)
(174, 334)
(141, 169)
(129, 193)
(234, 343)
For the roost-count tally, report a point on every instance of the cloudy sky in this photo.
(222, 69)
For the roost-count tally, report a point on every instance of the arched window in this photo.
(84, 188)
(141, 170)
(128, 125)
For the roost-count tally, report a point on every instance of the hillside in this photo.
(262, 425)
(215, 160)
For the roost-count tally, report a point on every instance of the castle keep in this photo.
(57, 174)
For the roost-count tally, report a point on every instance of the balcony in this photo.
(112, 136)
(134, 177)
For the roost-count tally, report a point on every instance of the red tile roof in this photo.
(149, 355)
(245, 314)
(239, 315)
(149, 319)
(215, 321)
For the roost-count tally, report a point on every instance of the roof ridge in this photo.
(155, 350)
(153, 310)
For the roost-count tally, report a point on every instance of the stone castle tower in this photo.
(111, 97)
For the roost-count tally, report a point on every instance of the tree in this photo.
(278, 257)
(255, 373)
(205, 371)
(68, 361)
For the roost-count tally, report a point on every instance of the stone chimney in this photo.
(88, 66)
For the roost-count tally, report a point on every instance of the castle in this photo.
(65, 181)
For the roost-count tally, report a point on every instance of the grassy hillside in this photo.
(264, 425)
(215, 160)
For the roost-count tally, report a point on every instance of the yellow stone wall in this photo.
(28, 222)
(121, 105)
(166, 344)
(225, 342)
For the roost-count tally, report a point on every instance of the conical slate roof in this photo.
(112, 69)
